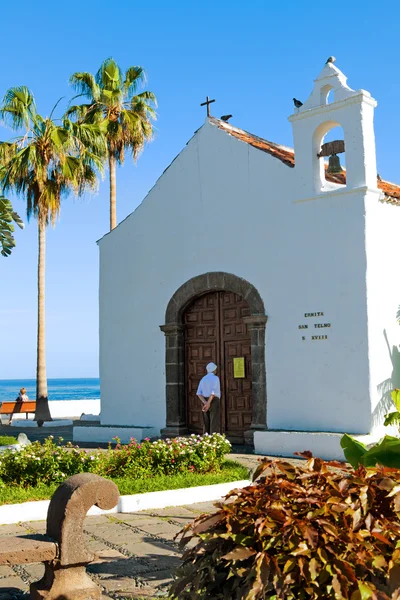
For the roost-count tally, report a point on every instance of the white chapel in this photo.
(279, 266)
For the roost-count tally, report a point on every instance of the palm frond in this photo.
(18, 107)
(7, 217)
(60, 137)
(15, 173)
(55, 106)
(142, 109)
(392, 418)
(109, 76)
(85, 84)
(133, 77)
(89, 136)
(148, 97)
(77, 111)
(7, 151)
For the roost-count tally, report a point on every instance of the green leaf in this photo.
(7, 217)
(396, 398)
(59, 136)
(386, 453)
(353, 450)
(365, 591)
(392, 418)
(379, 562)
(315, 568)
(290, 565)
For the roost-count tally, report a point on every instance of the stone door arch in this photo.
(174, 353)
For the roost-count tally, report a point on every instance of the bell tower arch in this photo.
(354, 112)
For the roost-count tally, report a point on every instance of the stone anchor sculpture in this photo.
(63, 549)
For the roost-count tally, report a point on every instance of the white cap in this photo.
(211, 367)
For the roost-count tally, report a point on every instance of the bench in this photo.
(17, 407)
(62, 549)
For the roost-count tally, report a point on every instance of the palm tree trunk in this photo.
(42, 400)
(113, 191)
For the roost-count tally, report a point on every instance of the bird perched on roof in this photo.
(226, 118)
(297, 103)
(331, 59)
(379, 177)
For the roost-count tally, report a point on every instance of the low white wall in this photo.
(74, 408)
(37, 511)
(320, 444)
(70, 408)
(106, 434)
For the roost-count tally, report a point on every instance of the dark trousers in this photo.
(211, 417)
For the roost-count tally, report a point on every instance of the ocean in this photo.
(59, 389)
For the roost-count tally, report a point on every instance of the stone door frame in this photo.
(175, 348)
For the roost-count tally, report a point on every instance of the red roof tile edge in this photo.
(286, 155)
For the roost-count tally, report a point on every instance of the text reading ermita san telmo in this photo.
(316, 326)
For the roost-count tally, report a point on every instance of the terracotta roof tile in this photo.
(286, 155)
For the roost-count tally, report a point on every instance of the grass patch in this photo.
(230, 471)
(7, 440)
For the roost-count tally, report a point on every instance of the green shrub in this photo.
(393, 418)
(386, 452)
(7, 440)
(52, 463)
(316, 531)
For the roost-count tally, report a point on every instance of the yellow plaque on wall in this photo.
(238, 368)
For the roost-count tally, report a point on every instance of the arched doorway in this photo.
(215, 330)
(175, 363)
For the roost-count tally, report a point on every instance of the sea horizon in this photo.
(59, 388)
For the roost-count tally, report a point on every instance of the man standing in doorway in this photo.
(209, 392)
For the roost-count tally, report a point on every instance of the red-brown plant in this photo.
(318, 530)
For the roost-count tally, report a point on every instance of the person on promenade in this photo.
(22, 397)
(209, 393)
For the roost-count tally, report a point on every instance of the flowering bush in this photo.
(199, 454)
(52, 463)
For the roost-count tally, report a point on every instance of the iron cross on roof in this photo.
(207, 102)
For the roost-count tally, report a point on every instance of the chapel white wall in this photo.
(225, 206)
(383, 294)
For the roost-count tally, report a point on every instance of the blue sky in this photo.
(252, 57)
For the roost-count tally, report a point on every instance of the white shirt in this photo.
(23, 397)
(209, 385)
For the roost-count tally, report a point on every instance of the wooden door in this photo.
(215, 331)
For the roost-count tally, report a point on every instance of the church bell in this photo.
(334, 165)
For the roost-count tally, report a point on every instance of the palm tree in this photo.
(7, 217)
(44, 164)
(125, 114)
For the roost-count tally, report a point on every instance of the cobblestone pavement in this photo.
(136, 553)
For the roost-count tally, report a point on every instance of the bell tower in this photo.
(354, 112)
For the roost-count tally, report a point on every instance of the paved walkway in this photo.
(136, 553)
